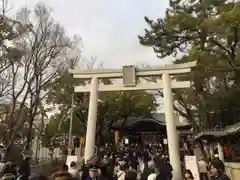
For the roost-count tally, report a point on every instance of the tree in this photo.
(62, 96)
(46, 48)
(45, 51)
(10, 30)
(206, 31)
(122, 105)
(111, 107)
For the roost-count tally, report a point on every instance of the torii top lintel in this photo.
(140, 72)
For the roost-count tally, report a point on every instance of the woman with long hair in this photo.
(188, 175)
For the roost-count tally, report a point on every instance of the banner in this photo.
(191, 163)
(82, 140)
(116, 135)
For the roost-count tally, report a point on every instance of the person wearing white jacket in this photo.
(122, 171)
(74, 171)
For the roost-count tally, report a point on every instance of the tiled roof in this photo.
(158, 118)
(229, 130)
(161, 117)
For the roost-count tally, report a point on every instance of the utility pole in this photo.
(71, 123)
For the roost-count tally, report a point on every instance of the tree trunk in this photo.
(29, 134)
(5, 154)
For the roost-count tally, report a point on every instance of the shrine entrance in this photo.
(132, 78)
(148, 131)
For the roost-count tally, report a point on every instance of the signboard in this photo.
(71, 159)
(191, 163)
(129, 76)
(165, 141)
(126, 141)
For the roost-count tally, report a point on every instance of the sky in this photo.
(108, 28)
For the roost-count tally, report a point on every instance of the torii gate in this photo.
(129, 75)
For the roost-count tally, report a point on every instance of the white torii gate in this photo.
(166, 83)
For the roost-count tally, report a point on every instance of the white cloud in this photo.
(109, 29)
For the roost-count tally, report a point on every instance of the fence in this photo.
(48, 166)
(43, 153)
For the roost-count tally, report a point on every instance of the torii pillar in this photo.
(92, 120)
(172, 135)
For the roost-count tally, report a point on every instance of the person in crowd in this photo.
(164, 169)
(94, 174)
(217, 169)
(14, 169)
(122, 170)
(188, 175)
(131, 175)
(62, 174)
(1, 151)
(2, 163)
(116, 167)
(8, 172)
(202, 166)
(155, 172)
(133, 161)
(143, 165)
(24, 169)
(74, 171)
(104, 169)
(85, 171)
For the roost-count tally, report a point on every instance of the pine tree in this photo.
(207, 31)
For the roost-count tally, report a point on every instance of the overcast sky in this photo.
(109, 28)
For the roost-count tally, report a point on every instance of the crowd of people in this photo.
(132, 164)
(129, 163)
(12, 171)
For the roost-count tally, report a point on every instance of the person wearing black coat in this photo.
(217, 169)
(146, 170)
(164, 168)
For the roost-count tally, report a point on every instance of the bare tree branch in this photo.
(30, 76)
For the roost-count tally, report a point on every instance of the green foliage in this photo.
(132, 103)
(111, 107)
(207, 31)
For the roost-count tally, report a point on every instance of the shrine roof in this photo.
(211, 133)
(161, 118)
(158, 120)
